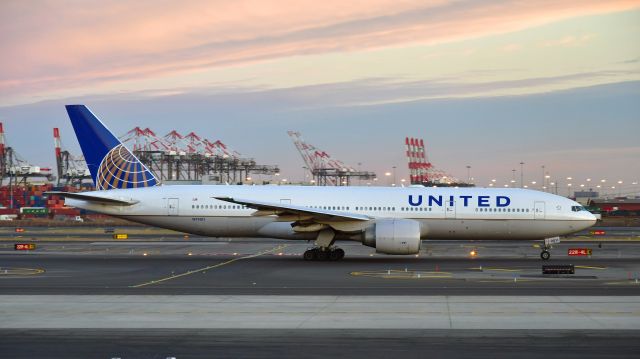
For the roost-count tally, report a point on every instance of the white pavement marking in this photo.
(319, 312)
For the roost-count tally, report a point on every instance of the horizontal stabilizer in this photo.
(94, 198)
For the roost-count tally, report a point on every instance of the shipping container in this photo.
(34, 210)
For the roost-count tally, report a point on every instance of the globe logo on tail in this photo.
(121, 169)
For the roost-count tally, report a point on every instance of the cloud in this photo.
(511, 48)
(91, 43)
(630, 61)
(372, 91)
(377, 91)
(568, 41)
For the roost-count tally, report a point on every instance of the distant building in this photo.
(583, 197)
(616, 204)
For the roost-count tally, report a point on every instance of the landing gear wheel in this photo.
(322, 255)
(545, 255)
(334, 255)
(340, 253)
(309, 255)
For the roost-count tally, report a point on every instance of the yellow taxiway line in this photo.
(207, 268)
(590, 267)
(20, 271)
(496, 269)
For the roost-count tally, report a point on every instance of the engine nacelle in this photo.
(393, 236)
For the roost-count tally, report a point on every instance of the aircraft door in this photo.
(449, 209)
(172, 206)
(538, 210)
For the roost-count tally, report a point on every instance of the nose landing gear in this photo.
(545, 254)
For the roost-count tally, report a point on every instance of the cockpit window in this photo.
(577, 208)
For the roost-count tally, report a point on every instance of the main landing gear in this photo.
(323, 254)
(324, 250)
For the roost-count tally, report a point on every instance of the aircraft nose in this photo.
(590, 220)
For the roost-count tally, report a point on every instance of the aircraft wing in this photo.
(93, 198)
(268, 208)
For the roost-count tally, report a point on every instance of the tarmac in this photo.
(257, 298)
(330, 343)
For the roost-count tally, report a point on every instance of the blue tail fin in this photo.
(111, 164)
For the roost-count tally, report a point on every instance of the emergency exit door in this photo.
(172, 206)
(450, 209)
(538, 210)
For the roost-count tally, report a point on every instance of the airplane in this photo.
(393, 220)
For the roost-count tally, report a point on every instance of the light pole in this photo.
(394, 175)
(521, 174)
(547, 179)
(468, 174)
(542, 178)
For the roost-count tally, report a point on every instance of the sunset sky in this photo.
(485, 83)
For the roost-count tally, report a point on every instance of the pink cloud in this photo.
(52, 45)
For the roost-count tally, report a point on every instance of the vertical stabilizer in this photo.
(111, 164)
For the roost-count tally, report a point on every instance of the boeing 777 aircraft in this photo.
(392, 220)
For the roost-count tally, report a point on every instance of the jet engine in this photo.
(393, 236)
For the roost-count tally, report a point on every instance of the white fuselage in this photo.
(443, 213)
